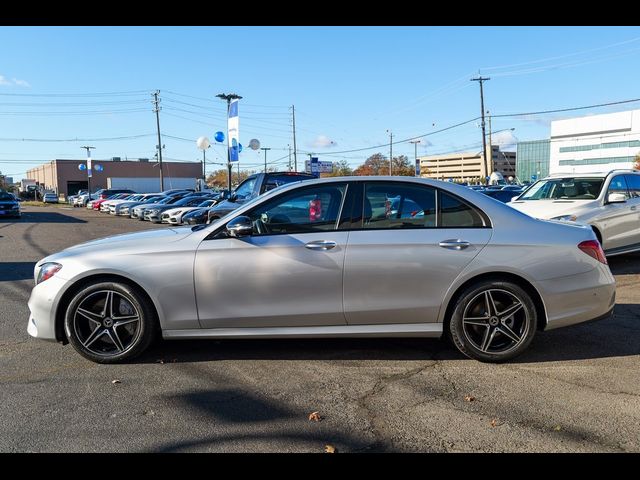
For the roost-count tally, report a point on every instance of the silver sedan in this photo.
(351, 256)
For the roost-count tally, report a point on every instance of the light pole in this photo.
(228, 97)
(89, 168)
(265, 157)
(203, 143)
(415, 151)
(490, 143)
(390, 151)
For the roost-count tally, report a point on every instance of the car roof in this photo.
(591, 174)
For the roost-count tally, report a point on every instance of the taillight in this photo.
(315, 210)
(593, 249)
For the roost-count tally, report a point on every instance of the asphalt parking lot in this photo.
(575, 390)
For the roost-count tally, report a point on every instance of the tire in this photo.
(115, 334)
(502, 334)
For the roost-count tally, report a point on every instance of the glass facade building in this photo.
(533, 157)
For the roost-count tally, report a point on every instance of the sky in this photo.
(350, 87)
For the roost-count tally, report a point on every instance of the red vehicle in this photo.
(95, 204)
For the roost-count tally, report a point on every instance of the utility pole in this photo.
(156, 103)
(480, 80)
(228, 98)
(265, 157)
(89, 169)
(415, 151)
(295, 149)
(390, 151)
(490, 143)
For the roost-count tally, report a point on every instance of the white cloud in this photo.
(14, 82)
(21, 83)
(322, 141)
(505, 139)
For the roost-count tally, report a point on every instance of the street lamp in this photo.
(265, 157)
(89, 168)
(203, 143)
(228, 97)
(415, 152)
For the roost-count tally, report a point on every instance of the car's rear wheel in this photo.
(110, 322)
(493, 321)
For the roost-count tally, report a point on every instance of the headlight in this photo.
(566, 218)
(47, 270)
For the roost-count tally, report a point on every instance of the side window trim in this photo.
(624, 181)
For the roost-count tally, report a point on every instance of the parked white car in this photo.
(50, 198)
(609, 202)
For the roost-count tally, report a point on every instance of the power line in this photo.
(87, 112)
(76, 139)
(567, 109)
(100, 94)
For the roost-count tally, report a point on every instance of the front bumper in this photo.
(42, 308)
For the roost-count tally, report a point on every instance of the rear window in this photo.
(274, 181)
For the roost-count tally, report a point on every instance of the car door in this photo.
(400, 263)
(618, 220)
(288, 273)
(633, 184)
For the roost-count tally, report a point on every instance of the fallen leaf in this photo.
(469, 398)
(115, 381)
(160, 361)
(329, 449)
(494, 423)
(557, 428)
(149, 412)
(315, 417)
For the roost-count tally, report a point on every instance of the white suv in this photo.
(609, 202)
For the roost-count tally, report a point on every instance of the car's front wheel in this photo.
(493, 321)
(110, 322)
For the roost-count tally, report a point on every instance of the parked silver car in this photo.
(609, 202)
(316, 259)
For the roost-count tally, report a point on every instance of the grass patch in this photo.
(31, 203)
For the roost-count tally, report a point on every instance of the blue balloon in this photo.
(219, 137)
(98, 168)
(239, 147)
(82, 166)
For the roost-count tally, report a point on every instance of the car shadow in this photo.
(300, 349)
(628, 264)
(618, 336)
(12, 271)
(46, 217)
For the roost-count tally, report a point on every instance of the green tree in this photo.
(340, 169)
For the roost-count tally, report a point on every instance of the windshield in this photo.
(571, 188)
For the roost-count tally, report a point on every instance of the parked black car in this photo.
(252, 187)
(9, 205)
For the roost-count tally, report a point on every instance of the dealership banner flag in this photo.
(232, 125)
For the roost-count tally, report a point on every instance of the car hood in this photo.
(132, 242)
(547, 209)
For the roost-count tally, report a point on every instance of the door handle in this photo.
(633, 208)
(320, 245)
(454, 244)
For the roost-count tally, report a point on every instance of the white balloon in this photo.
(203, 143)
(254, 144)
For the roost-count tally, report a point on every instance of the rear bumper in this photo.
(579, 298)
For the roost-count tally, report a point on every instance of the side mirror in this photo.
(616, 198)
(240, 227)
